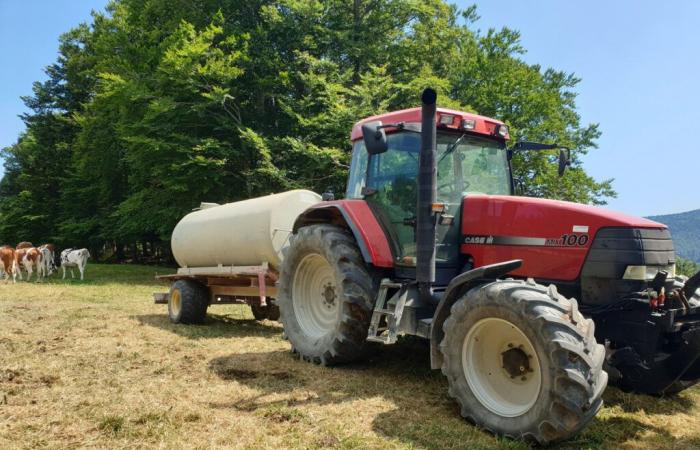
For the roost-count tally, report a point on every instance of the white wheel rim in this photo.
(490, 374)
(315, 296)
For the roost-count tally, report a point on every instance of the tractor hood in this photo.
(552, 237)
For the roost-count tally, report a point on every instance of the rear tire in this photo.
(522, 361)
(188, 302)
(326, 295)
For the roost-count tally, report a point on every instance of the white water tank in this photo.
(245, 233)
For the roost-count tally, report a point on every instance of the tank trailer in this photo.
(530, 305)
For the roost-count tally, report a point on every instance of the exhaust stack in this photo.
(427, 195)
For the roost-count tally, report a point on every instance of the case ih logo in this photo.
(566, 240)
(478, 240)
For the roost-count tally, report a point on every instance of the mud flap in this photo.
(681, 365)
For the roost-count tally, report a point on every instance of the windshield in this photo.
(475, 166)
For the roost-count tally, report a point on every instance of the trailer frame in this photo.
(252, 285)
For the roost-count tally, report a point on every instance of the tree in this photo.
(158, 105)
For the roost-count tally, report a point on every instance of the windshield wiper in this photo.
(452, 147)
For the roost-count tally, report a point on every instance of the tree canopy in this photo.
(157, 105)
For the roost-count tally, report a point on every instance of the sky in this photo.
(638, 61)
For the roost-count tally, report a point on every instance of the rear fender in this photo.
(356, 216)
(457, 287)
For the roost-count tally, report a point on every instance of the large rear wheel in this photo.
(326, 295)
(522, 361)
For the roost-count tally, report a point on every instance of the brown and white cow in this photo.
(29, 259)
(24, 244)
(8, 263)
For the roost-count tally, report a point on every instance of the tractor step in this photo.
(387, 332)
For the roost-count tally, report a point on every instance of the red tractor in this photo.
(422, 245)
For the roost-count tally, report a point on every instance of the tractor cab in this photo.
(470, 160)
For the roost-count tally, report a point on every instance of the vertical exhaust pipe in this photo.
(427, 195)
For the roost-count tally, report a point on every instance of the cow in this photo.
(74, 258)
(24, 244)
(19, 256)
(30, 259)
(8, 263)
(48, 252)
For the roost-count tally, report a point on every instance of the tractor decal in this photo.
(565, 240)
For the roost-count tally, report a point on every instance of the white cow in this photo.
(74, 258)
(48, 258)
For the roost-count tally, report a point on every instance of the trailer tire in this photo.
(269, 311)
(188, 302)
(536, 374)
(326, 296)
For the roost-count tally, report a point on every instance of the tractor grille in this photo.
(614, 249)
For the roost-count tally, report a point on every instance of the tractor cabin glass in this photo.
(475, 166)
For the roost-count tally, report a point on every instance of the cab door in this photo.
(392, 192)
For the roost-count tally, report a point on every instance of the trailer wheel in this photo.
(522, 361)
(188, 302)
(326, 295)
(270, 312)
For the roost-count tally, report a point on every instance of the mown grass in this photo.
(97, 364)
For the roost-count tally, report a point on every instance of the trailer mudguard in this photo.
(458, 286)
(357, 216)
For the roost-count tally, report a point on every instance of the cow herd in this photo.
(40, 260)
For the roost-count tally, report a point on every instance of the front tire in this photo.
(522, 361)
(188, 302)
(326, 295)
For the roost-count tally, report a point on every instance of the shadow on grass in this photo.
(214, 326)
(633, 403)
(422, 415)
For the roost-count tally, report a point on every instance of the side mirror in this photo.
(564, 153)
(375, 138)
(564, 160)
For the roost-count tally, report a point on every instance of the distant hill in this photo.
(685, 229)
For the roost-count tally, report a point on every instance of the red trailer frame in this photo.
(252, 285)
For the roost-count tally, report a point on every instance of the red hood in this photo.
(550, 236)
(528, 208)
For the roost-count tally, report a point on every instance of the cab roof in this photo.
(482, 125)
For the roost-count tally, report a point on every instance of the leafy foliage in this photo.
(686, 267)
(157, 105)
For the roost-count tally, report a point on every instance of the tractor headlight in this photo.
(647, 273)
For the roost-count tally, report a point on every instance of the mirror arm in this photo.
(398, 125)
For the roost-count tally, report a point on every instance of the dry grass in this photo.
(96, 364)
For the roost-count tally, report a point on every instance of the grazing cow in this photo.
(30, 259)
(7, 262)
(19, 256)
(48, 252)
(74, 258)
(24, 244)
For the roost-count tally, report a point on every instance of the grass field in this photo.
(97, 364)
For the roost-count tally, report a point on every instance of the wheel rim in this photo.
(501, 367)
(175, 302)
(315, 296)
